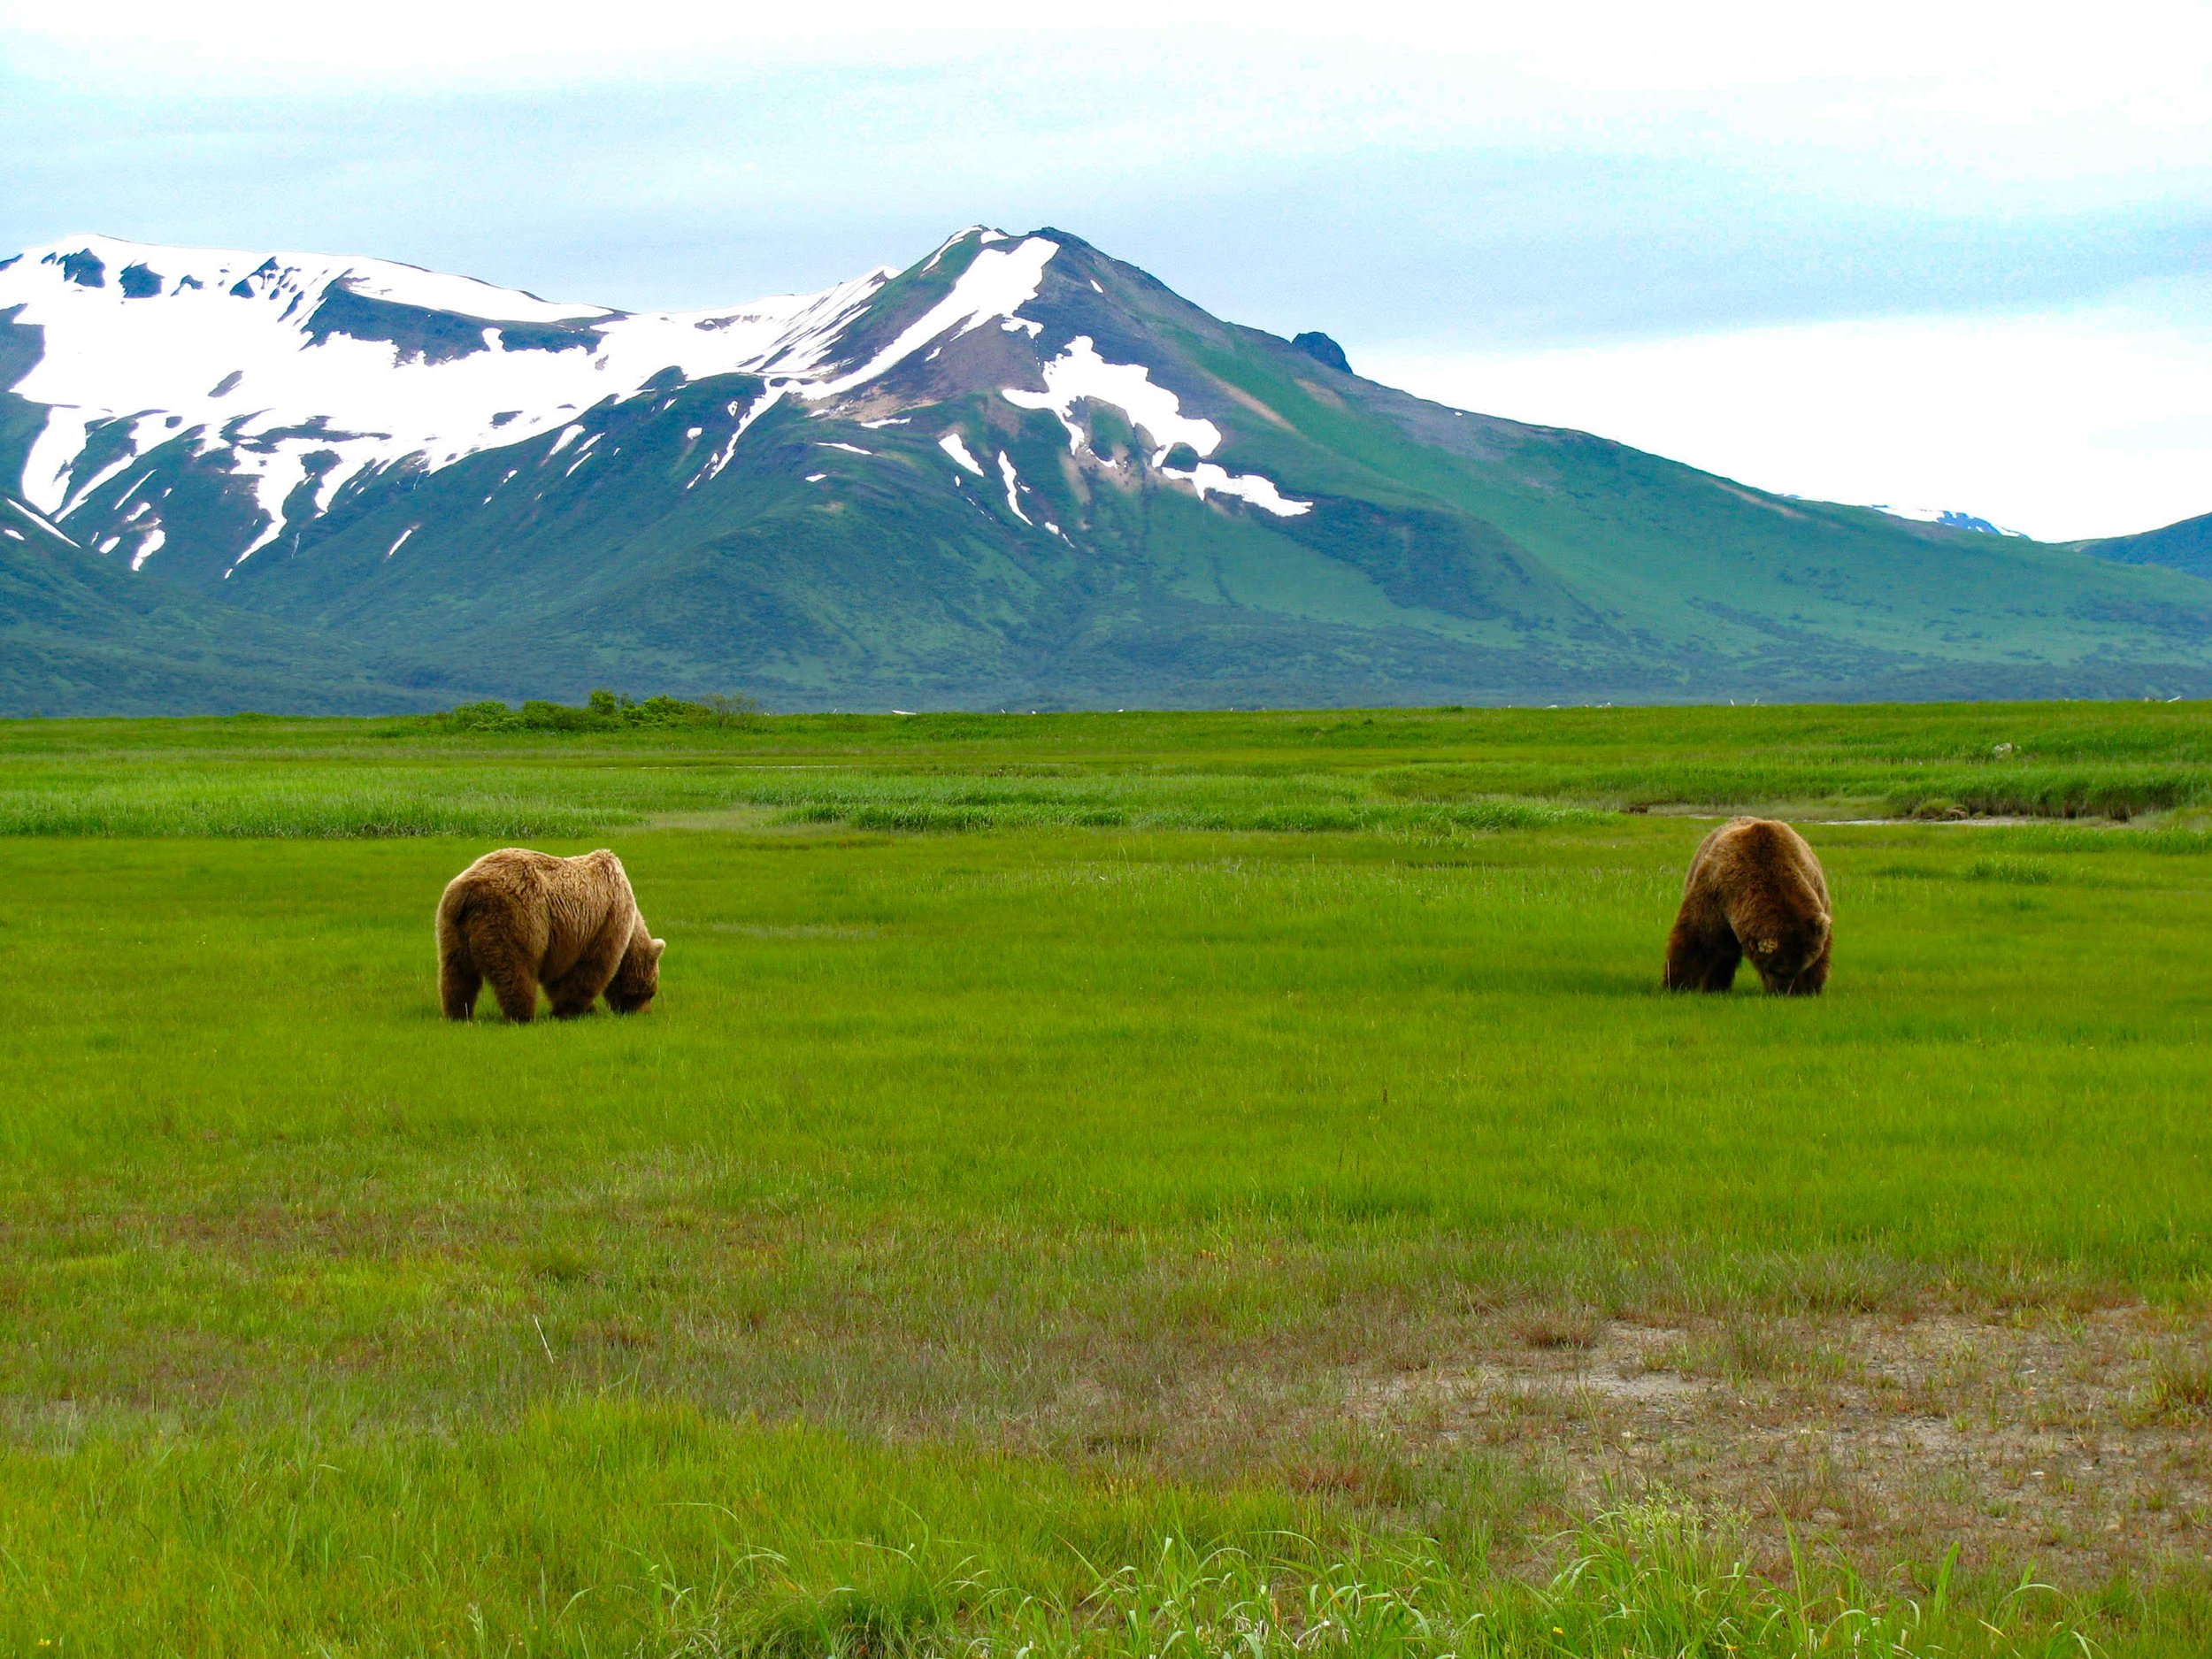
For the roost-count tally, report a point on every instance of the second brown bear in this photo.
(524, 920)
(1756, 890)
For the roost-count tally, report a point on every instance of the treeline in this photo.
(602, 711)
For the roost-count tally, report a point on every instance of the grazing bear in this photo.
(522, 920)
(1754, 890)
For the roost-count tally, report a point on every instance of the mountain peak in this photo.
(1321, 348)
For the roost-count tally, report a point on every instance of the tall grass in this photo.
(1147, 801)
(314, 800)
(281, 809)
(598, 1526)
(1424, 774)
(1655, 1579)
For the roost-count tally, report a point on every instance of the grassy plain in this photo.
(1094, 1182)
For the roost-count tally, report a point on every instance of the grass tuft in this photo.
(2180, 1389)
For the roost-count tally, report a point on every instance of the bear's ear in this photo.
(659, 945)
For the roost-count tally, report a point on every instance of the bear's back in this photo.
(578, 891)
(513, 873)
(583, 892)
(1762, 856)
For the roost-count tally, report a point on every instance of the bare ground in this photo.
(2081, 1443)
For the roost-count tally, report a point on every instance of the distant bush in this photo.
(602, 712)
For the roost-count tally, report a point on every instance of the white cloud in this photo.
(2030, 65)
(2066, 424)
(1921, 103)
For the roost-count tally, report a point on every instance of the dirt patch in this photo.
(2080, 1443)
(1768, 502)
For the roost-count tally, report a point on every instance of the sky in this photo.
(1929, 255)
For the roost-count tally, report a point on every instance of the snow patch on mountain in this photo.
(951, 445)
(78, 492)
(152, 537)
(759, 406)
(436, 291)
(44, 523)
(1207, 479)
(1948, 515)
(996, 285)
(1013, 483)
(1079, 375)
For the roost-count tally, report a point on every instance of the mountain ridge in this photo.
(1018, 471)
(2186, 546)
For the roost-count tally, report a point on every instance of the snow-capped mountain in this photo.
(302, 376)
(1015, 470)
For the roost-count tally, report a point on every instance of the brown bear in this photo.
(522, 920)
(1754, 889)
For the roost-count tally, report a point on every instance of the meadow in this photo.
(1093, 1184)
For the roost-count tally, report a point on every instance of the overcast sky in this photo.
(1927, 255)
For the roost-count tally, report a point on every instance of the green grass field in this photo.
(1097, 1183)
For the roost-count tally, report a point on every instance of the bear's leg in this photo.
(1700, 961)
(517, 990)
(459, 982)
(575, 991)
(514, 980)
(1720, 966)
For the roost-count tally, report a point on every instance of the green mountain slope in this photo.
(2186, 546)
(79, 635)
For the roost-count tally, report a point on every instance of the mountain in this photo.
(1017, 472)
(2186, 546)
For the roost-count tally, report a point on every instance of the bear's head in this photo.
(638, 980)
(1787, 954)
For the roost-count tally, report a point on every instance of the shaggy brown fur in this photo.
(1754, 889)
(524, 919)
